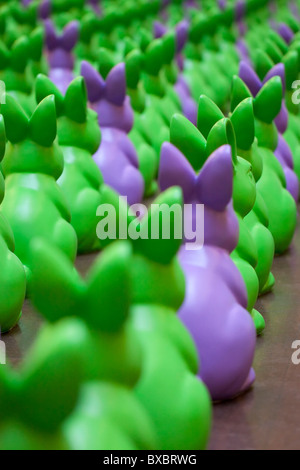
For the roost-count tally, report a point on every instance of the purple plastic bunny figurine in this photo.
(188, 104)
(283, 152)
(116, 156)
(214, 310)
(60, 56)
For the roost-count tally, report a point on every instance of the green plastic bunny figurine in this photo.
(280, 204)
(34, 204)
(107, 411)
(13, 280)
(79, 138)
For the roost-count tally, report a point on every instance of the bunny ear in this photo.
(268, 102)
(286, 32)
(169, 47)
(56, 287)
(208, 114)
(104, 310)
(50, 33)
(159, 29)
(133, 69)
(42, 124)
(182, 30)
(36, 44)
(175, 170)
(186, 137)
(94, 82)
(52, 375)
(153, 57)
(44, 87)
(162, 250)
(15, 119)
(106, 61)
(279, 41)
(20, 54)
(116, 85)
(70, 35)
(250, 78)
(222, 134)
(263, 64)
(273, 51)
(76, 101)
(216, 173)
(277, 71)
(243, 123)
(239, 92)
(290, 62)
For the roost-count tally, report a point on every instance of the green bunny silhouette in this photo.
(34, 204)
(107, 410)
(79, 138)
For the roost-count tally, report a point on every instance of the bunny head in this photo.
(60, 46)
(77, 124)
(44, 392)
(157, 276)
(267, 105)
(112, 353)
(13, 65)
(220, 222)
(108, 97)
(220, 131)
(32, 144)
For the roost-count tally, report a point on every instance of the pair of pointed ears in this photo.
(222, 134)
(189, 140)
(58, 291)
(67, 40)
(268, 102)
(243, 123)
(41, 127)
(17, 57)
(208, 115)
(263, 63)
(73, 105)
(113, 89)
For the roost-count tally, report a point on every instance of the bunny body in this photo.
(220, 325)
(34, 204)
(116, 157)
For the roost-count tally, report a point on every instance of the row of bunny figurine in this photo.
(124, 371)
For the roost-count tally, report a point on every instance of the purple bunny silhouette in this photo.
(60, 56)
(188, 104)
(214, 310)
(283, 152)
(116, 156)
